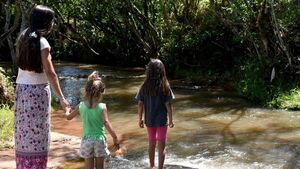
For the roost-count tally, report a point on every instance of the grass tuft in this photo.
(6, 126)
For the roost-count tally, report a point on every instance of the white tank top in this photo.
(31, 77)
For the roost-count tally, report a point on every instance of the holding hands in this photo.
(69, 113)
(68, 110)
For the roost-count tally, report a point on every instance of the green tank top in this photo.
(92, 122)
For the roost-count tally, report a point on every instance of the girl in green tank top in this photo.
(94, 117)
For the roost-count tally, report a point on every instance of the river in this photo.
(214, 129)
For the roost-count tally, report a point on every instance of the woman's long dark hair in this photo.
(28, 44)
(156, 81)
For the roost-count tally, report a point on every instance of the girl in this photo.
(94, 118)
(32, 98)
(154, 96)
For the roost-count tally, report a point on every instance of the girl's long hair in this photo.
(94, 89)
(156, 81)
(28, 52)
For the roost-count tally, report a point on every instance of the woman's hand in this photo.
(64, 103)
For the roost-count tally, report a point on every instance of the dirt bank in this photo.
(65, 142)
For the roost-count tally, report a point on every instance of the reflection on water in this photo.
(213, 129)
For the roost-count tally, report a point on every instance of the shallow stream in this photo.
(214, 129)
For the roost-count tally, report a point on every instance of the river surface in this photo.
(214, 129)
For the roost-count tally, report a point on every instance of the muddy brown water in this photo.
(214, 129)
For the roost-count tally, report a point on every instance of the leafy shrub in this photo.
(6, 89)
(251, 82)
(287, 100)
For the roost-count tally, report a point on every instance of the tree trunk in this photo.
(10, 30)
(282, 45)
(25, 17)
(149, 41)
(9, 38)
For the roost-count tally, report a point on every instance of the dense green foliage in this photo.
(208, 42)
(6, 89)
(287, 100)
(6, 113)
(252, 84)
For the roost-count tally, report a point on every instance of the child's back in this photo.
(154, 98)
(93, 127)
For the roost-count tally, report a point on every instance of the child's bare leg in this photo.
(89, 163)
(151, 150)
(161, 153)
(99, 162)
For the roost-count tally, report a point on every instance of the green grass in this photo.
(54, 105)
(289, 100)
(6, 125)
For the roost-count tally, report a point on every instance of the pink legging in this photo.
(157, 133)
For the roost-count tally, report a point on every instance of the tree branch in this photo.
(16, 21)
(83, 40)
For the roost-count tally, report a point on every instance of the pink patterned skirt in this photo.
(32, 125)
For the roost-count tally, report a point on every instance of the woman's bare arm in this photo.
(52, 76)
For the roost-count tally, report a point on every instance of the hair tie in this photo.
(33, 34)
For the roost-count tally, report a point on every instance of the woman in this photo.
(32, 100)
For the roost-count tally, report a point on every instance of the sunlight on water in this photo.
(213, 129)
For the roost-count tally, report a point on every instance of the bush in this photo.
(287, 100)
(251, 82)
(6, 89)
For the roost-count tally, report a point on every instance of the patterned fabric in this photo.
(93, 148)
(34, 162)
(32, 125)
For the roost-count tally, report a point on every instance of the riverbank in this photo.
(62, 148)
